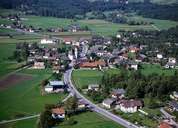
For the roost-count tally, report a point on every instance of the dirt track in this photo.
(12, 80)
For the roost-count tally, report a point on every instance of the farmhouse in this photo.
(129, 106)
(109, 103)
(174, 95)
(133, 49)
(132, 65)
(55, 86)
(47, 41)
(173, 105)
(81, 104)
(118, 93)
(58, 113)
(94, 64)
(39, 65)
(93, 87)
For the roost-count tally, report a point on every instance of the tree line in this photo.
(71, 8)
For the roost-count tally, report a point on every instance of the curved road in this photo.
(74, 91)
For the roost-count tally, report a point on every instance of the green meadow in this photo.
(25, 98)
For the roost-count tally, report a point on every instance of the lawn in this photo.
(46, 22)
(148, 69)
(139, 118)
(29, 123)
(25, 98)
(84, 77)
(107, 28)
(91, 120)
(8, 66)
(160, 24)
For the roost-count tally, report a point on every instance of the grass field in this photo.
(46, 22)
(107, 28)
(84, 77)
(160, 24)
(91, 120)
(97, 26)
(25, 98)
(5, 64)
(149, 69)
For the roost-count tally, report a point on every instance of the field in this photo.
(13, 79)
(46, 22)
(91, 120)
(158, 1)
(97, 26)
(149, 69)
(24, 98)
(84, 77)
(160, 24)
(107, 28)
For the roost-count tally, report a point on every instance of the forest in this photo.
(71, 8)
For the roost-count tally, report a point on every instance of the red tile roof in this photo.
(165, 125)
(58, 111)
(94, 64)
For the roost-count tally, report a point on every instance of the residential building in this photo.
(173, 105)
(129, 106)
(109, 103)
(94, 64)
(39, 65)
(93, 87)
(118, 93)
(55, 86)
(58, 113)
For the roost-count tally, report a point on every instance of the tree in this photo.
(71, 103)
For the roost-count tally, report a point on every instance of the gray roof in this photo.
(109, 101)
(118, 91)
(174, 104)
(56, 83)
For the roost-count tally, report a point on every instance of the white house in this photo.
(159, 56)
(58, 113)
(172, 60)
(47, 41)
(108, 103)
(118, 93)
(129, 106)
(94, 87)
(39, 65)
(174, 95)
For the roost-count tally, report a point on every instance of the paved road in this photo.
(23, 118)
(117, 119)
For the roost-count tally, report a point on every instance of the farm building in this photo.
(55, 86)
(58, 113)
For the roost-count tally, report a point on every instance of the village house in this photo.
(109, 103)
(132, 65)
(134, 49)
(58, 113)
(92, 65)
(93, 87)
(173, 106)
(39, 65)
(174, 95)
(159, 56)
(118, 93)
(81, 104)
(166, 124)
(47, 41)
(129, 106)
(55, 86)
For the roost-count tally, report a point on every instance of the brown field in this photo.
(13, 80)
